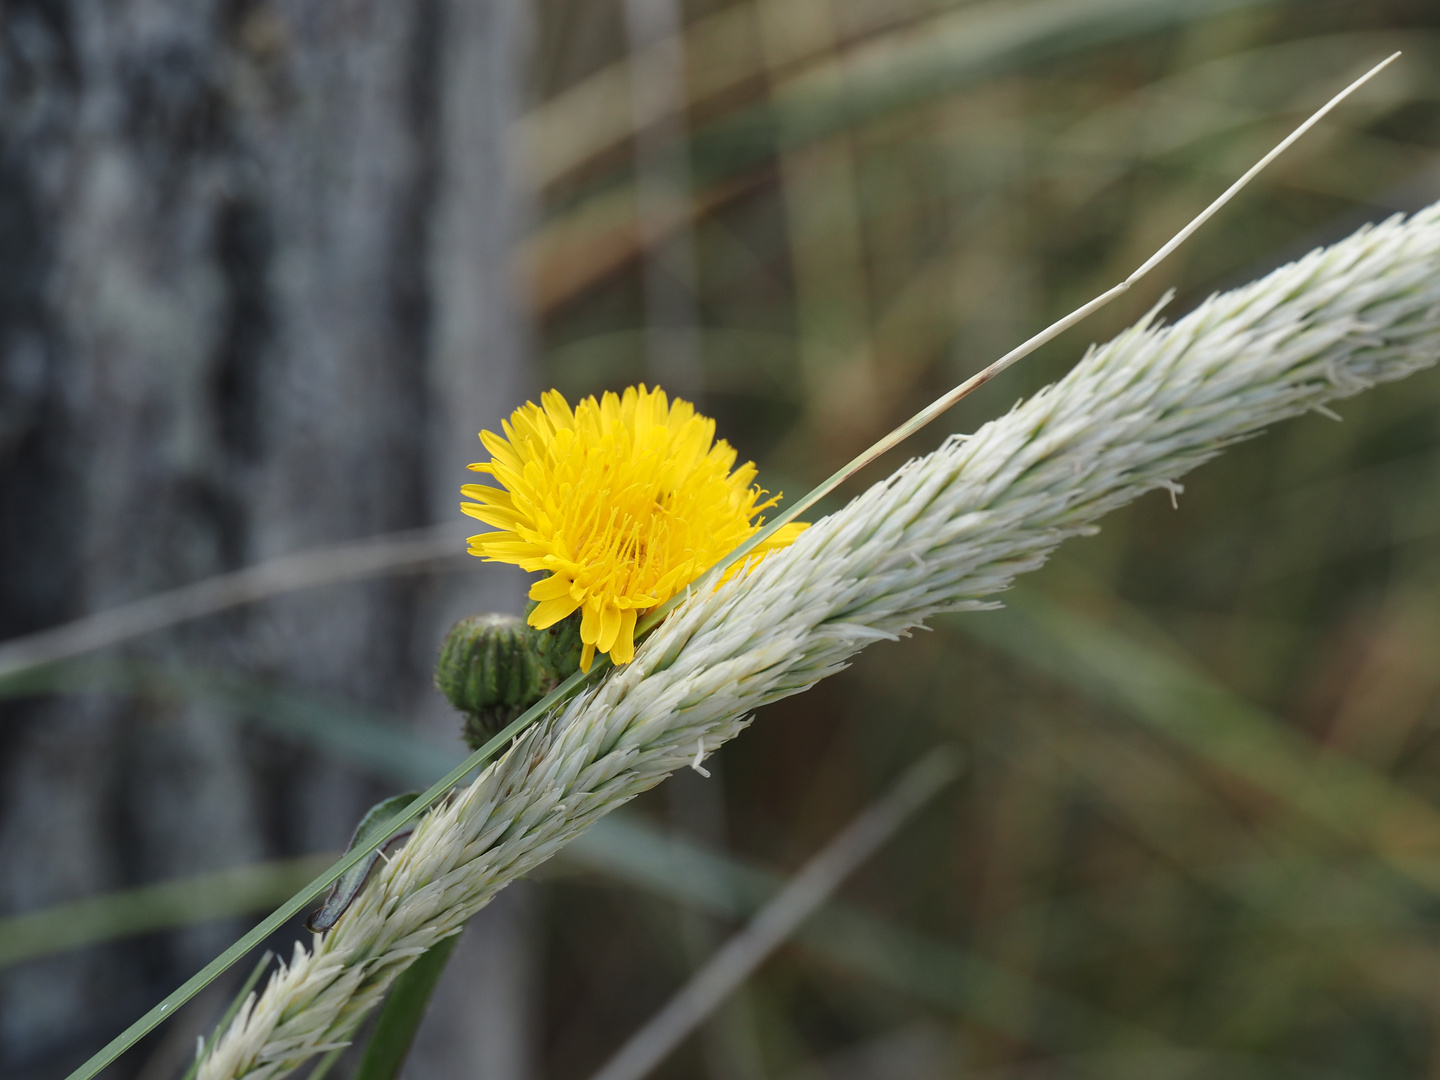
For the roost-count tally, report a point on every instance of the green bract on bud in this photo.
(494, 667)
(559, 646)
(491, 671)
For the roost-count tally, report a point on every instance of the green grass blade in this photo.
(229, 1013)
(941, 56)
(402, 1012)
(293, 906)
(1190, 709)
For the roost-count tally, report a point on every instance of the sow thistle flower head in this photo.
(622, 502)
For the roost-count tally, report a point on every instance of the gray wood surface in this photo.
(255, 297)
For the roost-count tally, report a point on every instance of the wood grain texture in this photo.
(255, 298)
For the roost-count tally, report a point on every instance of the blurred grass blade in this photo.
(860, 83)
(933, 58)
(632, 850)
(825, 91)
(229, 1014)
(1193, 711)
(737, 959)
(1229, 98)
(182, 902)
(326, 1063)
(386, 554)
(402, 1013)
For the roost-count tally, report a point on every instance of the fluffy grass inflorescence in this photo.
(943, 533)
(622, 501)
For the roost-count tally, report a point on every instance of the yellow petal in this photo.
(623, 650)
(487, 494)
(590, 623)
(609, 627)
(552, 588)
(501, 450)
(558, 409)
(548, 612)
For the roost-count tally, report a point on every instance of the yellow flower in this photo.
(623, 502)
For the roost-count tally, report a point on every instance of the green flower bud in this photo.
(490, 670)
(494, 667)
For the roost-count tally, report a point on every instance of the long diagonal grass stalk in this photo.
(947, 401)
(567, 689)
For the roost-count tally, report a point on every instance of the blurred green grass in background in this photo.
(1203, 753)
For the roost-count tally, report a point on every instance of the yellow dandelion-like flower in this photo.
(623, 502)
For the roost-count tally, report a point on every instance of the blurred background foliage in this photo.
(1198, 833)
(1184, 734)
